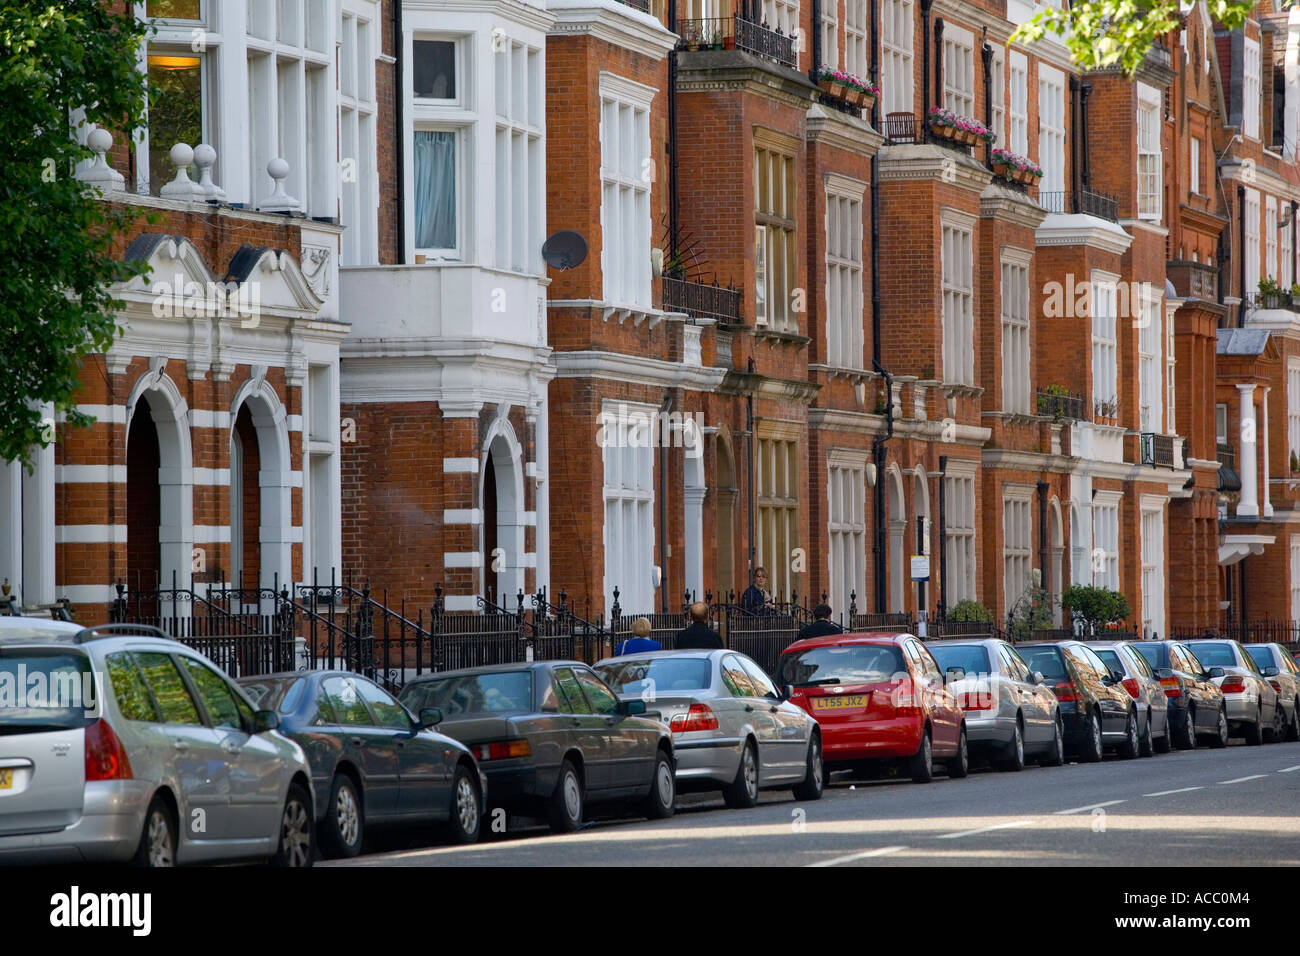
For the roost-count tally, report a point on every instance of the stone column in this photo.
(1248, 506)
(1267, 504)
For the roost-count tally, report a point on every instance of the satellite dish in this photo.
(565, 250)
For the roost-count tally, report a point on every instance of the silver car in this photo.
(121, 747)
(1279, 669)
(732, 729)
(1132, 671)
(1009, 711)
(1253, 710)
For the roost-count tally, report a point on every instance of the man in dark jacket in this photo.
(821, 625)
(698, 634)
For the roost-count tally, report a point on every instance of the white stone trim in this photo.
(611, 22)
(211, 476)
(88, 593)
(460, 466)
(529, 560)
(1059, 229)
(620, 87)
(207, 418)
(1016, 491)
(113, 414)
(211, 533)
(472, 516)
(636, 370)
(846, 457)
(460, 602)
(90, 534)
(462, 559)
(293, 423)
(90, 474)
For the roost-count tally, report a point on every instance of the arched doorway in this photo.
(502, 497)
(693, 494)
(897, 543)
(245, 502)
(143, 502)
(159, 493)
(725, 470)
(1056, 548)
(261, 518)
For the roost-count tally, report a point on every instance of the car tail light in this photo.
(905, 700)
(105, 755)
(700, 717)
(1171, 686)
(977, 700)
(1066, 692)
(1233, 685)
(1277, 685)
(1131, 685)
(501, 749)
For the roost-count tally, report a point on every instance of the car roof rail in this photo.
(120, 630)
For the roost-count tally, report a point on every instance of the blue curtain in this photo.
(435, 189)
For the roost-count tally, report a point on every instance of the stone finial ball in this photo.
(277, 168)
(204, 154)
(181, 155)
(100, 140)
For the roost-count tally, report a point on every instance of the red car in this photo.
(877, 697)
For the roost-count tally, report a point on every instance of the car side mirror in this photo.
(430, 717)
(1270, 672)
(1108, 680)
(264, 720)
(787, 691)
(631, 708)
(1215, 672)
(1035, 677)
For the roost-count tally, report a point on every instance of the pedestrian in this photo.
(698, 634)
(821, 624)
(757, 599)
(640, 640)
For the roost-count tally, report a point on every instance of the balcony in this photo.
(726, 33)
(1157, 450)
(1062, 407)
(1159, 55)
(901, 128)
(1080, 202)
(724, 305)
(1194, 280)
(642, 5)
(1229, 480)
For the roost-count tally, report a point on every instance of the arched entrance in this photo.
(693, 493)
(502, 496)
(1056, 547)
(260, 486)
(159, 495)
(143, 502)
(897, 543)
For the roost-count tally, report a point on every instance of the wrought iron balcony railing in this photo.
(1157, 450)
(900, 128)
(642, 5)
(1082, 202)
(703, 301)
(1073, 407)
(739, 33)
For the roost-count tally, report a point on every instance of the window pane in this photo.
(216, 696)
(346, 703)
(169, 689)
(434, 73)
(435, 189)
(172, 10)
(175, 115)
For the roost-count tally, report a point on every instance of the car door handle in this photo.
(358, 741)
(181, 744)
(577, 722)
(230, 747)
(749, 709)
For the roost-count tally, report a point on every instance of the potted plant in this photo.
(1015, 168)
(692, 41)
(729, 43)
(847, 86)
(1049, 401)
(1295, 461)
(1270, 294)
(960, 129)
(717, 41)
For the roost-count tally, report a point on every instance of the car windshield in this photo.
(1260, 655)
(661, 674)
(1213, 653)
(972, 658)
(1110, 657)
(1046, 660)
(43, 690)
(279, 693)
(852, 664)
(495, 693)
(1151, 653)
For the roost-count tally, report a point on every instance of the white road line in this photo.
(1000, 826)
(882, 851)
(1289, 769)
(1165, 793)
(1091, 806)
(1253, 776)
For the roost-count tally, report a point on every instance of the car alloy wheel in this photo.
(1255, 731)
(1293, 728)
(1015, 759)
(660, 803)
(159, 840)
(814, 781)
(749, 765)
(1220, 738)
(566, 803)
(1189, 730)
(1145, 746)
(1056, 756)
(466, 803)
(1094, 752)
(295, 849)
(959, 766)
(922, 763)
(1130, 748)
(341, 835)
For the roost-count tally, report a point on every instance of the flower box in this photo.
(845, 86)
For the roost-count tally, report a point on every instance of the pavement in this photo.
(1231, 807)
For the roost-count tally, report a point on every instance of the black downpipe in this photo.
(673, 225)
(1084, 90)
(879, 453)
(816, 40)
(1043, 557)
(664, 444)
(986, 55)
(399, 98)
(753, 471)
(1241, 259)
(1294, 207)
(1074, 140)
(925, 62)
(942, 607)
(938, 62)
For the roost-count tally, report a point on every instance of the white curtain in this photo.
(435, 189)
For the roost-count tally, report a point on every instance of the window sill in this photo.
(763, 333)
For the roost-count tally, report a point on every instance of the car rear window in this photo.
(843, 664)
(1046, 660)
(1152, 654)
(281, 694)
(473, 694)
(1110, 658)
(1212, 654)
(972, 658)
(43, 690)
(661, 675)
(1261, 656)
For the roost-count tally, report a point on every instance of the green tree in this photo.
(1095, 607)
(1031, 612)
(967, 610)
(1101, 33)
(55, 236)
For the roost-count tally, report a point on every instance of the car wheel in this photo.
(1092, 746)
(959, 766)
(1277, 733)
(158, 838)
(1188, 741)
(1165, 742)
(742, 793)
(466, 807)
(921, 764)
(1130, 748)
(1293, 728)
(1220, 738)
(297, 843)
(1255, 731)
(342, 832)
(1145, 745)
(662, 799)
(1056, 756)
(566, 803)
(810, 788)
(1014, 754)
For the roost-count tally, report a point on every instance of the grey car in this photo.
(1132, 671)
(1252, 702)
(147, 753)
(1010, 712)
(551, 736)
(732, 729)
(1279, 669)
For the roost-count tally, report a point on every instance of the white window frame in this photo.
(830, 51)
(1016, 356)
(1105, 538)
(1250, 80)
(957, 231)
(783, 15)
(1252, 242)
(1150, 169)
(846, 526)
(1171, 394)
(1195, 178)
(146, 177)
(844, 272)
(1154, 584)
(776, 238)
(857, 43)
(1286, 253)
(997, 94)
(778, 509)
(1018, 114)
(959, 70)
(1017, 541)
(520, 160)
(1105, 351)
(463, 134)
(628, 460)
(959, 532)
(1051, 128)
(1295, 577)
(897, 80)
(1150, 347)
(358, 141)
(625, 246)
(1292, 408)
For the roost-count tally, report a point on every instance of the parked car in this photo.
(371, 761)
(1196, 705)
(1137, 677)
(1098, 711)
(552, 736)
(1253, 711)
(149, 754)
(1009, 711)
(877, 697)
(1279, 669)
(732, 729)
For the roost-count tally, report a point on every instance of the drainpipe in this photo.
(938, 62)
(925, 59)
(664, 443)
(879, 453)
(942, 607)
(1046, 578)
(1074, 139)
(986, 55)
(816, 40)
(1084, 90)
(1241, 259)
(672, 136)
(399, 99)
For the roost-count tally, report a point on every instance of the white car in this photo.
(1253, 704)
(119, 744)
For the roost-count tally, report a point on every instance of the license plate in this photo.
(6, 779)
(839, 703)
